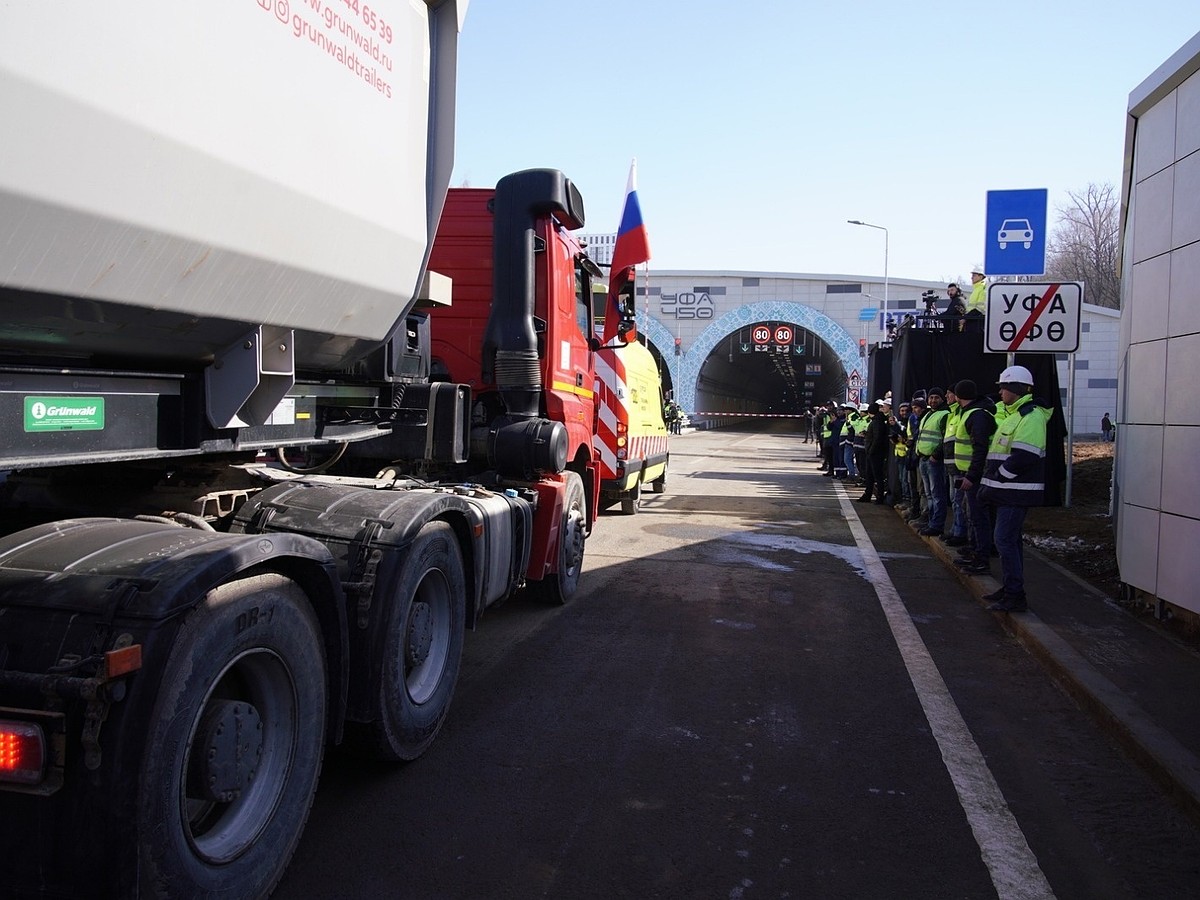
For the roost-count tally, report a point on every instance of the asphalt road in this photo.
(763, 689)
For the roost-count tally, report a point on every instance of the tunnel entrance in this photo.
(711, 368)
(771, 368)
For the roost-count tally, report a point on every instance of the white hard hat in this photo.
(886, 401)
(1016, 375)
(863, 407)
(977, 269)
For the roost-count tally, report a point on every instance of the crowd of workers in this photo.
(962, 466)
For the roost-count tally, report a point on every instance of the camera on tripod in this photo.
(930, 299)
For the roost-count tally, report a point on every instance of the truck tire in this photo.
(422, 650)
(559, 586)
(629, 500)
(659, 484)
(235, 743)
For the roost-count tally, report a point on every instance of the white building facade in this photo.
(1157, 491)
(1095, 368)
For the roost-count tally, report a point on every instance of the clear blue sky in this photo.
(760, 128)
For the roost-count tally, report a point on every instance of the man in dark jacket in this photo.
(919, 510)
(836, 460)
(952, 318)
(972, 437)
(827, 443)
(875, 452)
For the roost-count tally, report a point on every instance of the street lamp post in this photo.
(885, 256)
(885, 266)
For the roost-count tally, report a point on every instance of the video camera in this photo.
(930, 299)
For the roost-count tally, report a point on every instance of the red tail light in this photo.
(22, 752)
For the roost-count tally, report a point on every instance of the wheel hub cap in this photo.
(420, 634)
(227, 751)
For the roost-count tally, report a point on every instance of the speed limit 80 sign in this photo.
(1034, 318)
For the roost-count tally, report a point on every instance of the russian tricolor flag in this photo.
(631, 249)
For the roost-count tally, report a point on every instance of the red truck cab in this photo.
(518, 332)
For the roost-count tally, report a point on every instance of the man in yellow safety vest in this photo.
(972, 438)
(977, 302)
(930, 434)
(1015, 479)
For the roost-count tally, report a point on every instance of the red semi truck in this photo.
(523, 280)
(185, 631)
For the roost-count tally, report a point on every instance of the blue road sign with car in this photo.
(1015, 234)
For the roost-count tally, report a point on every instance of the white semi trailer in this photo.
(215, 221)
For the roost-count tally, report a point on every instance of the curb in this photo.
(1171, 764)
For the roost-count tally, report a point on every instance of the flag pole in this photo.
(644, 333)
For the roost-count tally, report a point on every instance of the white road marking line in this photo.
(1004, 849)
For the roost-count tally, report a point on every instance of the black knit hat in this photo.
(966, 390)
(936, 392)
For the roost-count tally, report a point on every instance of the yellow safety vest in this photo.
(932, 430)
(954, 412)
(977, 302)
(1023, 428)
(962, 439)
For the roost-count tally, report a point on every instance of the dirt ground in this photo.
(1080, 537)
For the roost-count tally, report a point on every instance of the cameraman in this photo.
(952, 319)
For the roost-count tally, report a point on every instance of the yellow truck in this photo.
(631, 436)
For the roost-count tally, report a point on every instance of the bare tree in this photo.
(1083, 244)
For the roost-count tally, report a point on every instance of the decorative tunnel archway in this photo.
(685, 370)
(657, 334)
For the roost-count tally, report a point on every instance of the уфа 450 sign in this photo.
(1034, 318)
(686, 305)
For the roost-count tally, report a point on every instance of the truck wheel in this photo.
(422, 650)
(659, 484)
(629, 500)
(559, 586)
(234, 746)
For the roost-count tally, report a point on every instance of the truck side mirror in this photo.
(628, 308)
